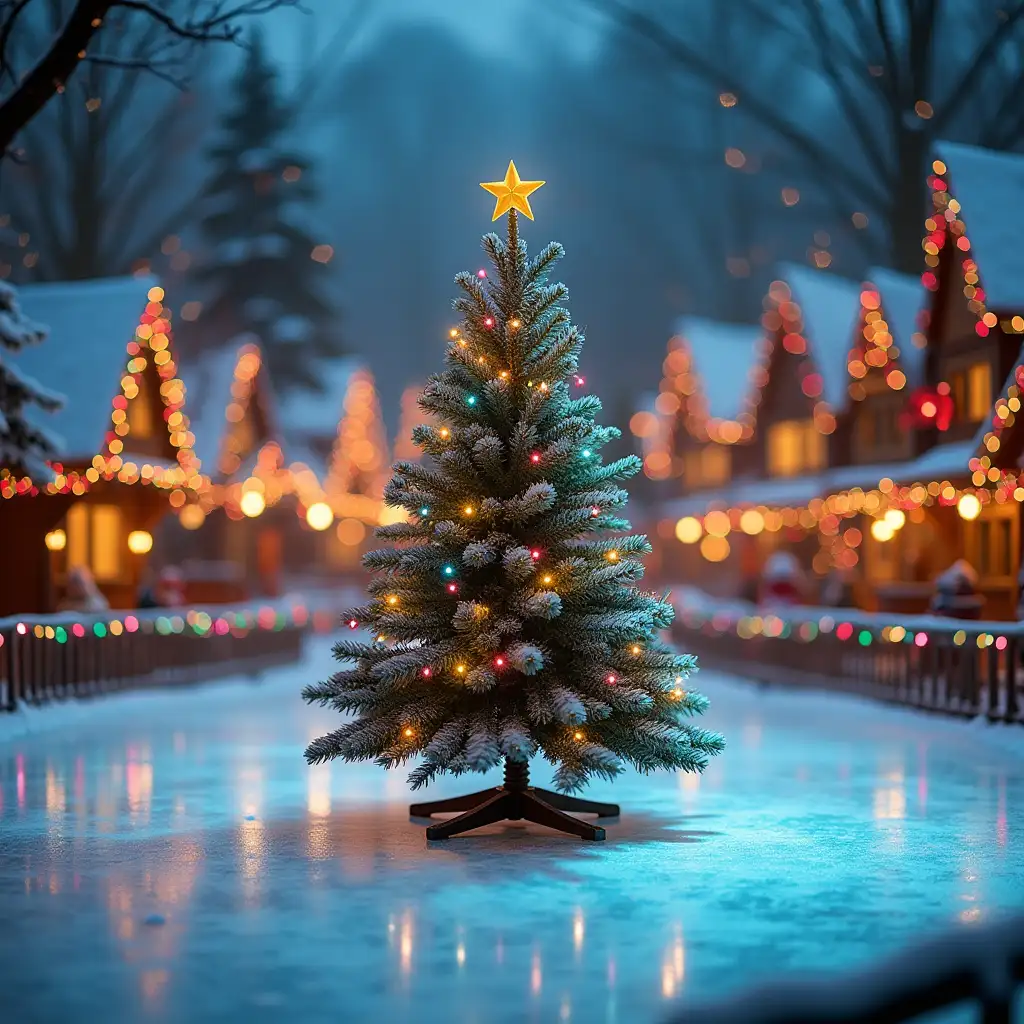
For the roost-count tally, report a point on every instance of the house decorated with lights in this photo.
(922, 457)
(128, 455)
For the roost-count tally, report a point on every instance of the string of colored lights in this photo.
(199, 621)
(813, 625)
(152, 343)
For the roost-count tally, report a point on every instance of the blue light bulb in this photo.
(449, 570)
(471, 400)
(424, 511)
(586, 453)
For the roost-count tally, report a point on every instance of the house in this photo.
(128, 455)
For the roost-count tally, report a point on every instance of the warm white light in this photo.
(140, 542)
(56, 540)
(252, 504)
(895, 518)
(689, 530)
(191, 517)
(319, 515)
(881, 530)
(752, 522)
(968, 506)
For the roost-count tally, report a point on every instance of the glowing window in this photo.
(794, 447)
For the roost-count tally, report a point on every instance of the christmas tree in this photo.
(263, 272)
(24, 447)
(506, 617)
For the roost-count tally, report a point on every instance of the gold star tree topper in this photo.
(512, 193)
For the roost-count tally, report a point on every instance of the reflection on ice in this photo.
(165, 850)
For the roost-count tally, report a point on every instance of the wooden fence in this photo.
(75, 655)
(949, 665)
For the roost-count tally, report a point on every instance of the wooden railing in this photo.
(981, 969)
(950, 665)
(56, 657)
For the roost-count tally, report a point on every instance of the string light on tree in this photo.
(536, 693)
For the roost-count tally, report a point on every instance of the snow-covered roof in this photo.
(302, 413)
(90, 325)
(990, 189)
(208, 382)
(830, 307)
(902, 297)
(722, 355)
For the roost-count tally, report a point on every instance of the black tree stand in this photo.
(516, 800)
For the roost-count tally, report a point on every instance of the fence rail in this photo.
(982, 969)
(57, 657)
(950, 665)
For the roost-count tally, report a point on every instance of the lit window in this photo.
(95, 540)
(794, 447)
(979, 391)
(708, 466)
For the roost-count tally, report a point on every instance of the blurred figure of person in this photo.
(168, 591)
(782, 581)
(956, 592)
(81, 593)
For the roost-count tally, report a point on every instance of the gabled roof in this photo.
(210, 383)
(989, 187)
(722, 355)
(830, 310)
(90, 325)
(902, 297)
(303, 414)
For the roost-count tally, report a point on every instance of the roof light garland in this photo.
(944, 228)
(783, 324)
(359, 462)
(874, 349)
(681, 401)
(152, 344)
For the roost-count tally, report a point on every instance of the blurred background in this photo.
(688, 148)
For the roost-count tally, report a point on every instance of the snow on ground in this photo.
(172, 855)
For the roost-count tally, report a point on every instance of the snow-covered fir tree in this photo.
(507, 618)
(262, 270)
(25, 447)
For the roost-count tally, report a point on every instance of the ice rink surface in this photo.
(170, 857)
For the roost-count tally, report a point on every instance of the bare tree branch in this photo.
(215, 21)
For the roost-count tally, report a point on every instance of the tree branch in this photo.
(57, 64)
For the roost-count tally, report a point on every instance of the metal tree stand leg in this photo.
(516, 800)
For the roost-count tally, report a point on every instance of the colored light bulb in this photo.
(535, 458)
(352, 624)
(449, 570)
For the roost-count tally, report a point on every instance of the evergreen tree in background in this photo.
(24, 447)
(506, 618)
(263, 272)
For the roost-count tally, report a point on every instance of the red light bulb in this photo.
(535, 554)
(488, 321)
(579, 381)
(535, 458)
(352, 624)
(595, 512)
(453, 588)
(426, 671)
(481, 274)
(499, 662)
(611, 679)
